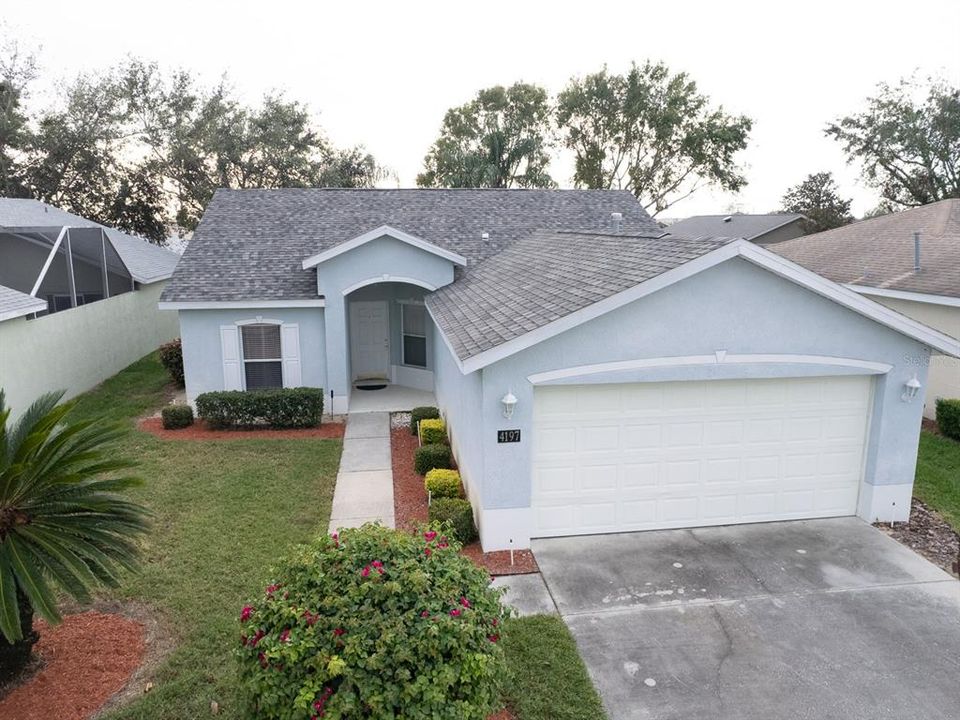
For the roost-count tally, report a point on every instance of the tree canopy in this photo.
(818, 197)
(907, 141)
(651, 132)
(144, 152)
(500, 139)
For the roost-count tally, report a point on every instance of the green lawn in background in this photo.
(938, 476)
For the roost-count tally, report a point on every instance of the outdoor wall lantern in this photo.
(509, 402)
(910, 389)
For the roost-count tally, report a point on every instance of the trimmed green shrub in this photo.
(428, 457)
(277, 408)
(443, 483)
(457, 514)
(171, 357)
(373, 623)
(433, 431)
(948, 417)
(176, 416)
(422, 413)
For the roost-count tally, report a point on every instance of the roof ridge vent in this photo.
(728, 218)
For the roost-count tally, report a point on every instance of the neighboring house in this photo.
(78, 301)
(597, 374)
(917, 275)
(760, 229)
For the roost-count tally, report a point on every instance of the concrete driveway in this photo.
(817, 619)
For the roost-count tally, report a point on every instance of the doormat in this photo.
(370, 387)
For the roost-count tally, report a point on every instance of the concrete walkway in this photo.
(364, 491)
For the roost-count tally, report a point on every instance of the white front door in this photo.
(370, 339)
(645, 456)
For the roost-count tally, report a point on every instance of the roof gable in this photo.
(376, 233)
(469, 325)
(749, 227)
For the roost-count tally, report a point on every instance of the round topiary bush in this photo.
(459, 514)
(375, 623)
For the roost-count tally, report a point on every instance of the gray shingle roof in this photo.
(878, 252)
(508, 296)
(748, 227)
(250, 243)
(14, 304)
(146, 262)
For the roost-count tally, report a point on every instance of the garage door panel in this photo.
(696, 453)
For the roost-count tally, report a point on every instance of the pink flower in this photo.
(377, 564)
(427, 552)
(493, 638)
(338, 632)
(495, 622)
(256, 638)
(246, 613)
(310, 617)
(429, 535)
(455, 612)
(464, 602)
(442, 545)
(271, 589)
(263, 660)
(365, 572)
(285, 635)
(425, 614)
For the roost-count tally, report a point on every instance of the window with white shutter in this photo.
(262, 356)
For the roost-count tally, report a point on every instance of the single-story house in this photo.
(78, 301)
(908, 261)
(760, 229)
(597, 373)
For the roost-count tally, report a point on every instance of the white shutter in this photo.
(230, 352)
(290, 346)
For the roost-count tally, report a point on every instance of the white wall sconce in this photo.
(910, 389)
(509, 402)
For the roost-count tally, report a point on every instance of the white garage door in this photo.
(614, 458)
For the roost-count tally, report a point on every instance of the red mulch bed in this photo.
(410, 508)
(87, 658)
(928, 534)
(200, 431)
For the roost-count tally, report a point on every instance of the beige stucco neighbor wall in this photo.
(944, 378)
(78, 348)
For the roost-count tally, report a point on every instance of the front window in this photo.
(262, 363)
(414, 335)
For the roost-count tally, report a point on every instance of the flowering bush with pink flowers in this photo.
(374, 623)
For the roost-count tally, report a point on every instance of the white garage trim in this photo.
(646, 456)
(721, 357)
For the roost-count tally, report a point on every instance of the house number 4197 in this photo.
(508, 436)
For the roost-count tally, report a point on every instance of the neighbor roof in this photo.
(250, 244)
(508, 296)
(748, 227)
(14, 304)
(879, 252)
(145, 261)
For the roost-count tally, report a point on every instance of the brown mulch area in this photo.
(504, 714)
(87, 658)
(200, 431)
(930, 426)
(928, 534)
(410, 508)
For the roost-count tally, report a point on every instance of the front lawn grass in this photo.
(223, 513)
(938, 476)
(547, 680)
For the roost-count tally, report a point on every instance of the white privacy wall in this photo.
(78, 348)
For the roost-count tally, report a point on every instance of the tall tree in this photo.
(909, 149)
(202, 139)
(499, 139)
(818, 197)
(17, 71)
(651, 132)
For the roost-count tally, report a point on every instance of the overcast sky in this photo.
(382, 74)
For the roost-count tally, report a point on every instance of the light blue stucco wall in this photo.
(394, 294)
(202, 356)
(736, 307)
(384, 260)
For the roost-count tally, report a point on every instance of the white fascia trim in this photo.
(240, 304)
(386, 277)
(906, 295)
(383, 230)
(602, 307)
(718, 358)
(848, 298)
(39, 306)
